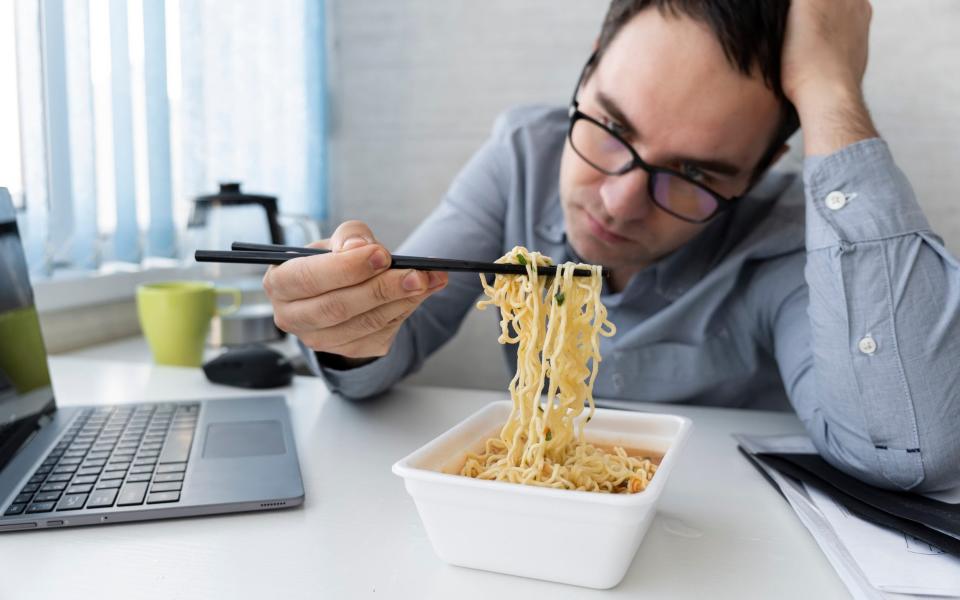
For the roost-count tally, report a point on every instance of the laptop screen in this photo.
(25, 390)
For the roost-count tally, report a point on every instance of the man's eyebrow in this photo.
(719, 167)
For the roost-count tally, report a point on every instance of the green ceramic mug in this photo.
(175, 318)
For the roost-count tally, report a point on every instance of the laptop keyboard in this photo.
(125, 455)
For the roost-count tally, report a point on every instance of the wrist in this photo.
(832, 117)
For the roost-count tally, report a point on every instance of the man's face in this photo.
(666, 83)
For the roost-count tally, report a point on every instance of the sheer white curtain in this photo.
(128, 109)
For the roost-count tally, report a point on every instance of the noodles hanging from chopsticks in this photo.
(556, 323)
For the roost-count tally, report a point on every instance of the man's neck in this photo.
(620, 277)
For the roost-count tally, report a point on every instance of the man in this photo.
(721, 294)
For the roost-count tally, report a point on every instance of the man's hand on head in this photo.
(824, 58)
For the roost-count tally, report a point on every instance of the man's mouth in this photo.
(598, 230)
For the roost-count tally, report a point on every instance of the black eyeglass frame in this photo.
(723, 202)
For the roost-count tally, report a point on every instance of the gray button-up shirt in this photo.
(829, 293)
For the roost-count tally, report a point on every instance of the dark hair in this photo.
(751, 33)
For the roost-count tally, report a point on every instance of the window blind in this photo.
(128, 109)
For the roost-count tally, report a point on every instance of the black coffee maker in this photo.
(232, 210)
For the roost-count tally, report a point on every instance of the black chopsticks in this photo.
(271, 254)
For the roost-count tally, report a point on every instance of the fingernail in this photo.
(412, 282)
(433, 279)
(354, 242)
(379, 260)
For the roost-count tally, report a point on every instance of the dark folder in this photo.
(933, 521)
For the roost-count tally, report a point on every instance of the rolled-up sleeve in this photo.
(870, 350)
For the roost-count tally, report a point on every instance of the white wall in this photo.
(416, 84)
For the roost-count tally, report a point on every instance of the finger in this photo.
(374, 345)
(366, 324)
(339, 306)
(309, 276)
(351, 234)
(322, 244)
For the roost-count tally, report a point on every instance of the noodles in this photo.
(555, 323)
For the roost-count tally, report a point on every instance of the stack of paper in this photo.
(874, 562)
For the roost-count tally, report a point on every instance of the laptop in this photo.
(92, 465)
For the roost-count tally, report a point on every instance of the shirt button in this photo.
(836, 200)
(867, 345)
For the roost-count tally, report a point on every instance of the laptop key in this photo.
(85, 479)
(60, 477)
(37, 478)
(22, 498)
(109, 484)
(139, 477)
(72, 502)
(14, 509)
(102, 498)
(47, 497)
(168, 477)
(39, 507)
(143, 469)
(177, 448)
(132, 493)
(167, 486)
(54, 486)
(158, 497)
(80, 489)
(172, 468)
(30, 488)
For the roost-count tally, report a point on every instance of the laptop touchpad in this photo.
(243, 438)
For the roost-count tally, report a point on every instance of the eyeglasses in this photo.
(605, 150)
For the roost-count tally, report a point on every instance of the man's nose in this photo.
(626, 197)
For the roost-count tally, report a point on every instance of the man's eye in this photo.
(613, 126)
(693, 172)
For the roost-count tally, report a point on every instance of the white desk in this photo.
(721, 532)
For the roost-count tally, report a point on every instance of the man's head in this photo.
(686, 83)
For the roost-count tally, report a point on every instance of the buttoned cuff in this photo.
(858, 194)
(362, 382)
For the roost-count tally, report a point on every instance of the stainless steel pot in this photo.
(250, 323)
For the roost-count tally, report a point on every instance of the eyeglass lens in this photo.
(608, 154)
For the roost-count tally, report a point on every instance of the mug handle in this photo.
(235, 294)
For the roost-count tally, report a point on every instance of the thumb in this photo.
(351, 234)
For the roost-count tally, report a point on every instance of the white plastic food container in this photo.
(581, 538)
